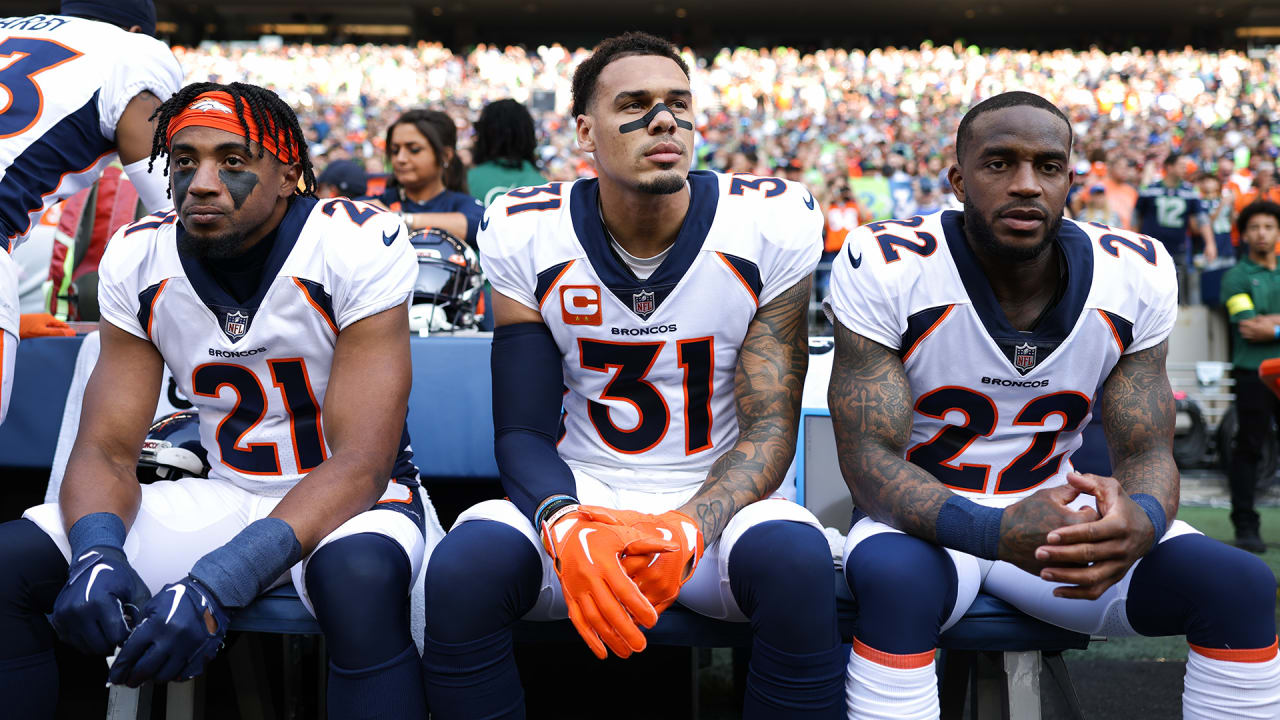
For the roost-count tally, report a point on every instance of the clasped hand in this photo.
(1087, 550)
(620, 569)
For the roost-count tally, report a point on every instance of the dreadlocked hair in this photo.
(269, 113)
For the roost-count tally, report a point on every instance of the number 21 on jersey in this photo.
(630, 364)
(290, 380)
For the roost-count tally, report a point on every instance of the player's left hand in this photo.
(1091, 557)
(661, 575)
(180, 630)
(32, 325)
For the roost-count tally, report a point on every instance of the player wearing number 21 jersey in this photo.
(282, 319)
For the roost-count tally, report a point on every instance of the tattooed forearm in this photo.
(871, 412)
(1138, 417)
(769, 380)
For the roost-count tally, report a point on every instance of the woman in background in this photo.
(428, 186)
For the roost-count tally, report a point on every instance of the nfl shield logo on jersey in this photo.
(642, 303)
(1024, 357)
(236, 324)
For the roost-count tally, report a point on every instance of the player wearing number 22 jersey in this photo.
(999, 411)
(971, 350)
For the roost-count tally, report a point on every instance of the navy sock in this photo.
(906, 590)
(359, 586)
(29, 686)
(392, 689)
(781, 575)
(32, 571)
(1217, 595)
(482, 577)
(786, 685)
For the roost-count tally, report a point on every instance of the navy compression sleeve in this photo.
(528, 385)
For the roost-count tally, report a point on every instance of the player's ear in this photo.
(290, 180)
(585, 142)
(956, 179)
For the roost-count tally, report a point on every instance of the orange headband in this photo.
(216, 109)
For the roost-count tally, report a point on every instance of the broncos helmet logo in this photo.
(207, 104)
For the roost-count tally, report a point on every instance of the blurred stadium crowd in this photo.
(867, 131)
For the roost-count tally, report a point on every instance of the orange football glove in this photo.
(42, 325)
(604, 604)
(1269, 371)
(661, 576)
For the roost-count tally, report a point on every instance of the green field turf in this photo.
(1216, 523)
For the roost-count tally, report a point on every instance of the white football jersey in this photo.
(257, 370)
(998, 412)
(66, 81)
(649, 364)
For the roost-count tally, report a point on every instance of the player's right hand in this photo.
(604, 604)
(94, 612)
(1028, 522)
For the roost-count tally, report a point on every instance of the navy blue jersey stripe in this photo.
(1122, 328)
(546, 279)
(146, 301)
(919, 325)
(747, 271)
(320, 299)
(73, 145)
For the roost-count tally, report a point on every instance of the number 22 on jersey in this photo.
(290, 380)
(631, 364)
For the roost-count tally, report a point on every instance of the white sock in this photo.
(1224, 684)
(883, 686)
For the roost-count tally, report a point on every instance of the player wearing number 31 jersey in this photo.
(648, 357)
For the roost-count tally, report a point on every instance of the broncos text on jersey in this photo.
(257, 370)
(998, 412)
(649, 364)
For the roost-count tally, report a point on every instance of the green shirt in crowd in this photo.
(489, 181)
(1251, 290)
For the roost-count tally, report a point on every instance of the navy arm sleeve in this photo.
(528, 385)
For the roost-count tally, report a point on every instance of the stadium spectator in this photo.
(1252, 292)
(843, 214)
(504, 155)
(1262, 187)
(429, 183)
(345, 178)
(1170, 211)
(1096, 208)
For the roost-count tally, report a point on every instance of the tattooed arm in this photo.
(1138, 418)
(871, 411)
(870, 401)
(770, 377)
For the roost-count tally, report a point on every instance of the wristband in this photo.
(560, 512)
(971, 528)
(550, 506)
(242, 568)
(100, 529)
(1275, 331)
(1155, 511)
